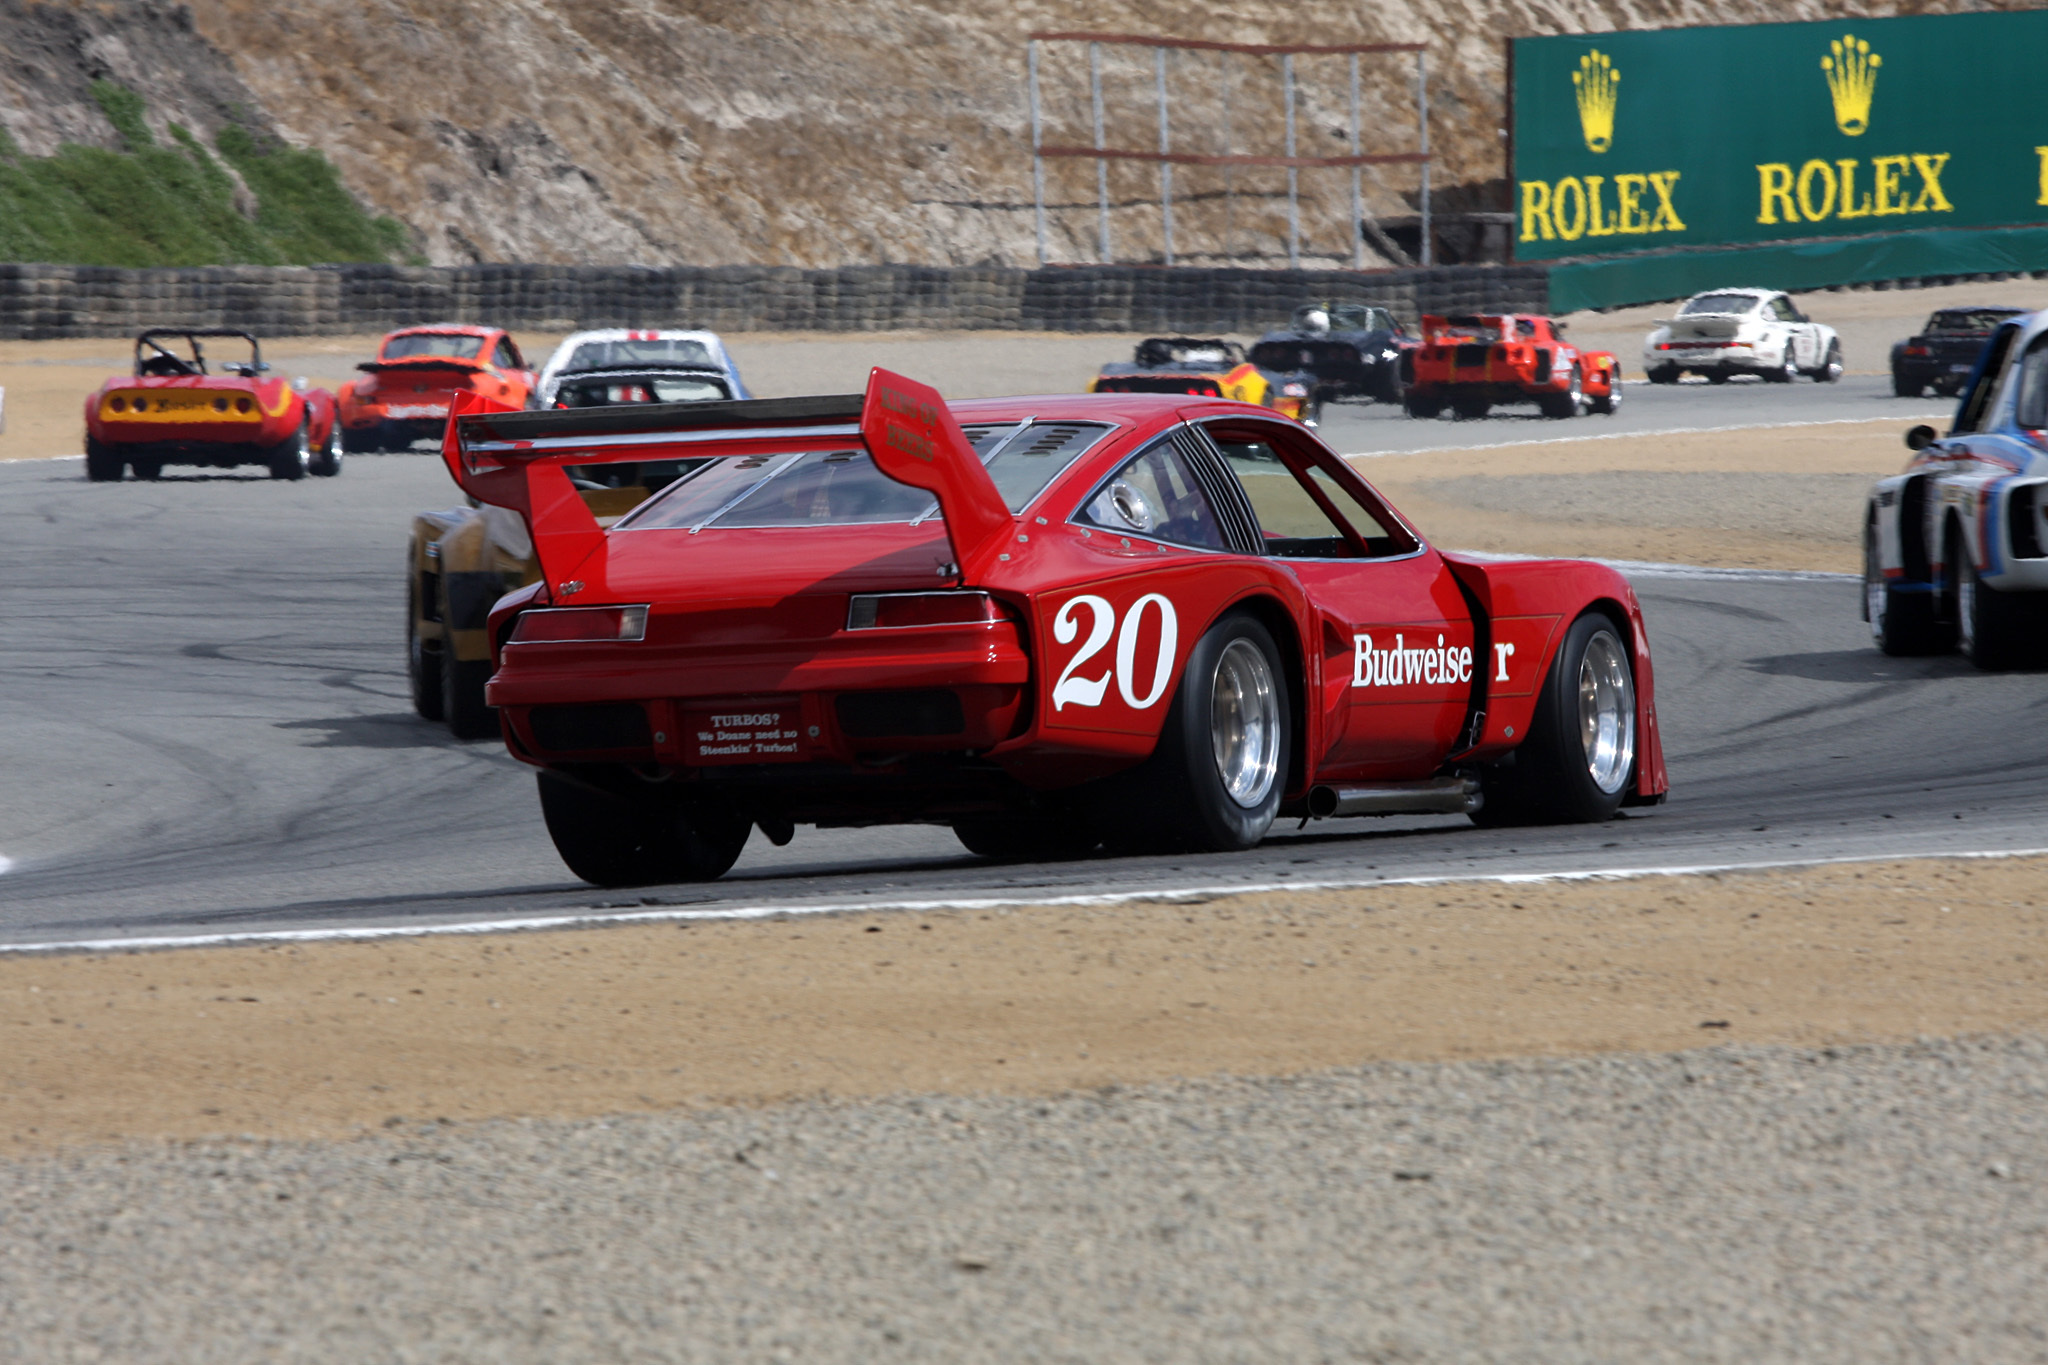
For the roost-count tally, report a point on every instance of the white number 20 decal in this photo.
(1102, 623)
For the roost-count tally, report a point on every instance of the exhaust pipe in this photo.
(1438, 796)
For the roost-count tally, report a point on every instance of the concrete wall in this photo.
(41, 301)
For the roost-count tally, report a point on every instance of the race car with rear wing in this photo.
(619, 348)
(1146, 620)
(1470, 364)
(174, 410)
(404, 393)
(1941, 355)
(1206, 368)
(1727, 332)
(1955, 550)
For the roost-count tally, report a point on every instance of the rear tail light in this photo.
(241, 405)
(579, 625)
(118, 403)
(1916, 350)
(888, 611)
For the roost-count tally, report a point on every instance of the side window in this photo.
(506, 357)
(1976, 405)
(1156, 496)
(2033, 404)
(1304, 511)
(1781, 308)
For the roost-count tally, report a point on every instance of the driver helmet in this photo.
(1316, 320)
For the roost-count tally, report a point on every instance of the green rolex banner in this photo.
(1706, 137)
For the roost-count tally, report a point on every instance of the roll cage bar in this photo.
(162, 361)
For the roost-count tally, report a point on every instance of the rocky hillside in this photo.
(804, 132)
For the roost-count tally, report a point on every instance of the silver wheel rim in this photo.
(1244, 723)
(1607, 712)
(1966, 607)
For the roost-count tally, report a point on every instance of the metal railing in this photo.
(1166, 158)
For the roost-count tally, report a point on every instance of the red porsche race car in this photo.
(172, 410)
(1471, 363)
(1146, 620)
(404, 393)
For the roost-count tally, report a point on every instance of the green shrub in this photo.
(175, 205)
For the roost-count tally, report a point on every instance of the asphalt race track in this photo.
(203, 714)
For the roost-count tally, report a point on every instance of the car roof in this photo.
(641, 334)
(472, 329)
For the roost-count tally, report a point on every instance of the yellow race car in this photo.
(1207, 367)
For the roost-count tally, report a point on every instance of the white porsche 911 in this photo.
(1726, 332)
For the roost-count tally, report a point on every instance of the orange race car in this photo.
(404, 394)
(172, 410)
(1469, 363)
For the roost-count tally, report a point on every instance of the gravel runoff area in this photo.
(1735, 1204)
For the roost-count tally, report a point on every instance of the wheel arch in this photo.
(1272, 613)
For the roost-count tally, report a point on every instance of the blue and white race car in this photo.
(1956, 548)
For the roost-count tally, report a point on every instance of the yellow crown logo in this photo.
(1852, 79)
(1595, 80)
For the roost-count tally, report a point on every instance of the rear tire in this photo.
(1469, 410)
(292, 457)
(1570, 403)
(463, 706)
(1664, 374)
(1991, 626)
(1578, 760)
(1213, 783)
(149, 471)
(327, 463)
(1903, 387)
(1901, 623)
(1787, 369)
(422, 664)
(103, 463)
(610, 840)
(1424, 408)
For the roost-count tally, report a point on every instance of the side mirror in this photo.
(1921, 437)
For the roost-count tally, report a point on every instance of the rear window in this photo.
(454, 344)
(1967, 320)
(843, 487)
(607, 391)
(1718, 303)
(599, 355)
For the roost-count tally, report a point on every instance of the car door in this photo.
(1792, 325)
(1396, 638)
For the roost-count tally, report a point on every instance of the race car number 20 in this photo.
(1076, 688)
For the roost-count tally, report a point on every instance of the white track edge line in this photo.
(1173, 895)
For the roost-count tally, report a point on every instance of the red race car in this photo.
(404, 394)
(172, 410)
(1468, 364)
(1151, 621)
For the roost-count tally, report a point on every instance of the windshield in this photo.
(842, 487)
(1718, 303)
(454, 344)
(600, 391)
(599, 355)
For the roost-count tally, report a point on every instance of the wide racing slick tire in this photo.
(1994, 629)
(613, 840)
(1901, 616)
(1903, 387)
(147, 469)
(326, 462)
(292, 457)
(1570, 403)
(1830, 367)
(1471, 409)
(1019, 838)
(1608, 403)
(367, 440)
(1787, 369)
(1214, 781)
(463, 706)
(1425, 408)
(1578, 760)
(103, 463)
(422, 664)
(1665, 374)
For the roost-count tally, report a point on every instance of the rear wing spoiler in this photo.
(519, 459)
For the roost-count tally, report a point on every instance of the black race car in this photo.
(1352, 349)
(1946, 350)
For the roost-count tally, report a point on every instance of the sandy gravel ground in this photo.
(1738, 1204)
(331, 1039)
(1776, 498)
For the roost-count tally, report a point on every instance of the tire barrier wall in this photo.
(45, 301)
